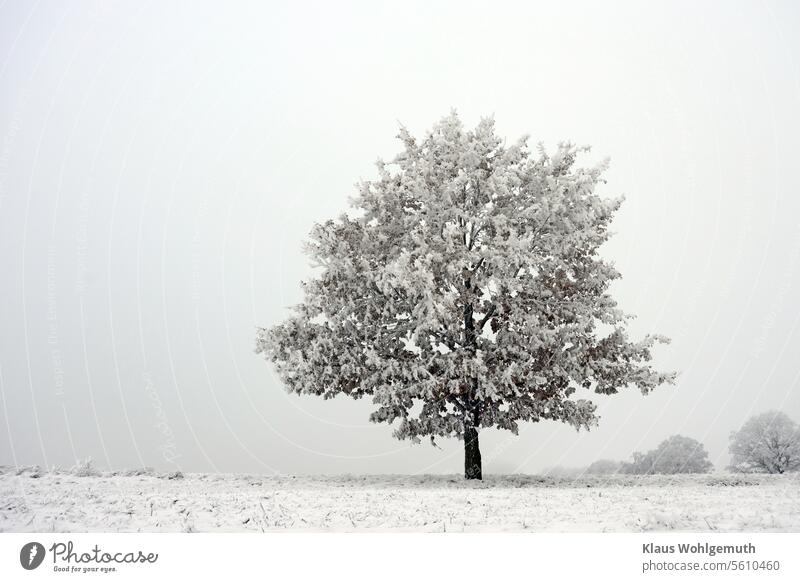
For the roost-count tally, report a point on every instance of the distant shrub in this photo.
(729, 480)
(138, 472)
(84, 469)
(563, 472)
(32, 471)
(603, 467)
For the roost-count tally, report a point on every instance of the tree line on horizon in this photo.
(766, 443)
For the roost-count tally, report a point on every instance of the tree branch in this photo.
(473, 235)
(478, 266)
(454, 400)
(486, 317)
(450, 342)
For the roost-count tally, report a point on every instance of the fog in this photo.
(162, 163)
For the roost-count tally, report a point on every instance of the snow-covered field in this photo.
(35, 500)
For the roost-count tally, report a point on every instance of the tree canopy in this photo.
(767, 443)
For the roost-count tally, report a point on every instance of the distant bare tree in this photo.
(767, 443)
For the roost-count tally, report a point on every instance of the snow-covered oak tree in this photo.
(465, 292)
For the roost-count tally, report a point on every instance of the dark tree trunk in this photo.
(472, 454)
(472, 412)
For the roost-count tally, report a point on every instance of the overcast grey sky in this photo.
(161, 164)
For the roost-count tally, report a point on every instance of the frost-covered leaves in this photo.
(467, 279)
(767, 443)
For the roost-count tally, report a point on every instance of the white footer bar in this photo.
(400, 556)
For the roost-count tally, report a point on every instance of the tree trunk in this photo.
(472, 454)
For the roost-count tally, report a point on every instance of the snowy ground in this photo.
(34, 500)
